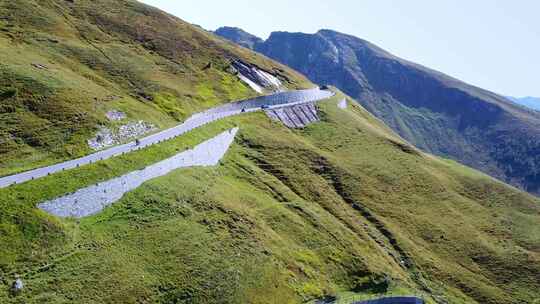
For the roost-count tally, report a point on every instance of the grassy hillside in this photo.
(289, 216)
(66, 63)
(343, 207)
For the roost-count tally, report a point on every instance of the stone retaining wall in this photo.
(91, 200)
(297, 116)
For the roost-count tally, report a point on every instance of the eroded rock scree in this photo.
(106, 137)
(115, 115)
(256, 78)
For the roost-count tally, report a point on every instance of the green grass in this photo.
(341, 207)
(273, 223)
(151, 65)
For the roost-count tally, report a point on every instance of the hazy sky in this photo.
(494, 44)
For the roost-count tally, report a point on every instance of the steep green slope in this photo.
(66, 63)
(435, 112)
(289, 216)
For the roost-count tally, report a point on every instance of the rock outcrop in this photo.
(17, 286)
(115, 115)
(106, 137)
(258, 79)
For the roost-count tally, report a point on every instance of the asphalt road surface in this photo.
(271, 101)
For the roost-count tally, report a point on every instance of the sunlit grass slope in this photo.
(66, 63)
(343, 206)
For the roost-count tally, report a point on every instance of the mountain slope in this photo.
(66, 63)
(529, 102)
(435, 112)
(343, 206)
(289, 216)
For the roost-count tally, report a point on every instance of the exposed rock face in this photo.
(107, 137)
(18, 285)
(256, 78)
(437, 113)
(115, 115)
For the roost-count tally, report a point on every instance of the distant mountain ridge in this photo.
(439, 114)
(529, 102)
(239, 36)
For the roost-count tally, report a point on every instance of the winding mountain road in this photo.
(94, 198)
(197, 120)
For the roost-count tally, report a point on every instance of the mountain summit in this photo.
(435, 112)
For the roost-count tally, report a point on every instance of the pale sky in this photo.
(494, 44)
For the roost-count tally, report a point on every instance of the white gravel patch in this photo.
(115, 115)
(106, 137)
(342, 104)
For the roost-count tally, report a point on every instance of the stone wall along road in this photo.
(93, 199)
